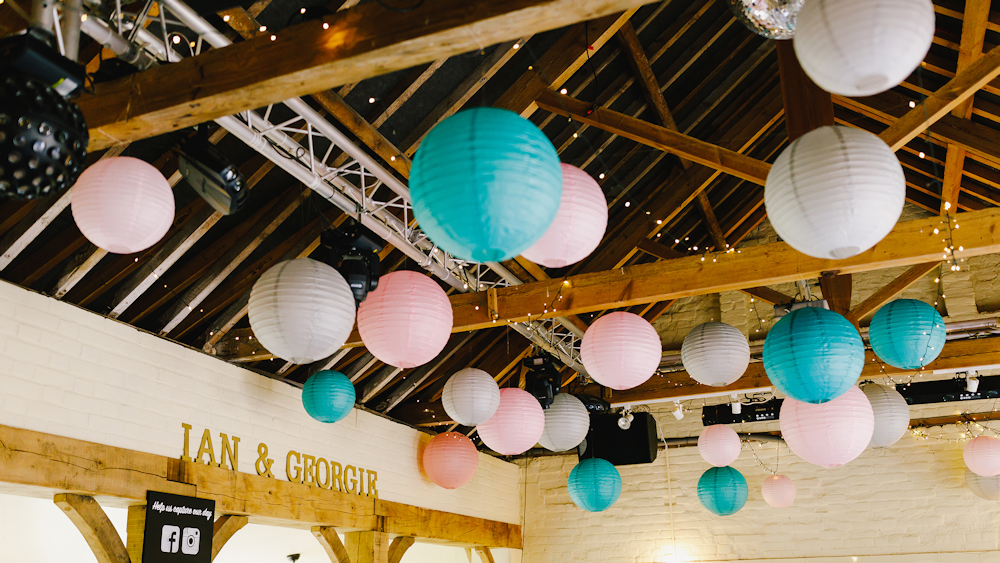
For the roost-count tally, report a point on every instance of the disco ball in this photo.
(43, 139)
(774, 19)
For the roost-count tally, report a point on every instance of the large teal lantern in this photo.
(328, 396)
(722, 490)
(813, 355)
(907, 334)
(594, 484)
(485, 184)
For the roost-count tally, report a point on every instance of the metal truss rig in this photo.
(303, 144)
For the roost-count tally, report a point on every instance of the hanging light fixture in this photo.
(830, 434)
(892, 414)
(566, 423)
(719, 445)
(621, 350)
(907, 334)
(778, 491)
(773, 19)
(328, 396)
(715, 354)
(579, 224)
(723, 490)
(516, 426)
(470, 397)
(450, 460)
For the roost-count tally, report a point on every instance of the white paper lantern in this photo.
(566, 423)
(778, 491)
(982, 456)
(301, 310)
(892, 414)
(579, 224)
(621, 350)
(470, 397)
(715, 354)
(123, 204)
(719, 445)
(828, 434)
(835, 192)
(987, 488)
(862, 47)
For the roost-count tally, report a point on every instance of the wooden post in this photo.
(367, 547)
(135, 532)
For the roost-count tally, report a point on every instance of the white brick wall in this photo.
(69, 372)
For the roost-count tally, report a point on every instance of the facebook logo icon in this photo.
(170, 540)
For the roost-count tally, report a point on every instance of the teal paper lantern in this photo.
(813, 355)
(328, 396)
(907, 334)
(485, 184)
(722, 490)
(594, 484)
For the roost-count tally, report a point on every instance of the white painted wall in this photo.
(69, 372)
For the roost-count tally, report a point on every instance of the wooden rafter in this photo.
(890, 290)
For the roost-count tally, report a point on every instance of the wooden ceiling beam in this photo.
(358, 43)
(891, 290)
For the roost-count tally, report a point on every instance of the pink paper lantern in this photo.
(407, 321)
(778, 491)
(579, 224)
(621, 350)
(719, 445)
(516, 426)
(982, 456)
(123, 204)
(828, 434)
(450, 460)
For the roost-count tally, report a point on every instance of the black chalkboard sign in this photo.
(178, 529)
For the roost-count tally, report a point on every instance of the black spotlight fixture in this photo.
(43, 135)
(211, 174)
(353, 250)
(542, 378)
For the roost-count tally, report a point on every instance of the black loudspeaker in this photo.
(607, 441)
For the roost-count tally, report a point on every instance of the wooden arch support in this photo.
(484, 554)
(362, 547)
(93, 523)
(223, 529)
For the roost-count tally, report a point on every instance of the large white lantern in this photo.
(566, 423)
(982, 456)
(123, 204)
(301, 310)
(719, 445)
(621, 350)
(579, 224)
(715, 354)
(470, 397)
(835, 192)
(862, 47)
(828, 434)
(892, 414)
(987, 488)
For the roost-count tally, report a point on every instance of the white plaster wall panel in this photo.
(69, 372)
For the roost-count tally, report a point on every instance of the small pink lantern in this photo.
(579, 224)
(778, 491)
(982, 456)
(450, 460)
(621, 350)
(407, 321)
(828, 434)
(719, 445)
(517, 424)
(123, 204)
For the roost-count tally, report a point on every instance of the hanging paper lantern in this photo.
(862, 47)
(830, 434)
(907, 334)
(407, 321)
(123, 204)
(982, 456)
(774, 19)
(813, 355)
(719, 445)
(594, 484)
(892, 414)
(621, 350)
(470, 397)
(566, 423)
(328, 396)
(301, 310)
(835, 192)
(517, 424)
(778, 491)
(987, 488)
(450, 460)
(722, 490)
(485, 184)
(715, 354)
(579, 224)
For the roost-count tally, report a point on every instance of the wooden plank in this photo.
(974, 22)
(837, 291)
(406, 520)
(636, 58)
(356, 44)
(135, 531)
(425, 372)
(484, 554)
(377, 382)
(223, 530)
(711, 222)
(365, 132)
(94, 525)
(661, 138)
(769, 295)
(807, 106)
(909, 243)
(890, 290)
